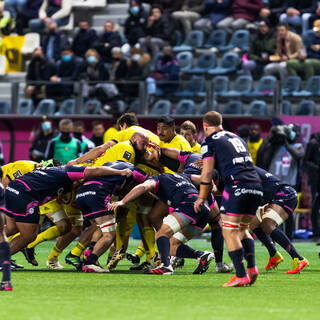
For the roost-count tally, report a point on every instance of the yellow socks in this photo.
(13, 236)
(149, 237)
(78, 249)
(49, 234)
(54, 253)
(140, 251)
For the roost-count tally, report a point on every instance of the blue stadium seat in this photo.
(291, 85)
(45, 107)
(217, 39)
(92, 106)
(241, 86)
(203, 107)
(265, 87)
(185, 61)
(67, 107)
(312, 88)
(220, 85)
(161, 107)
(178, 37)
(121, 106)
(205, 62)
(4, 107)
(135, 106)
(306, 37)
(286, 107)
(185, 107)
(195, 87)
(229, 64)
(25, 106)
(233, 107)
(193, 40)
(306, 108)
(257, 108)
(155, 60)
(240, 39)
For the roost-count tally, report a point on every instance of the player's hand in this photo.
(72, 163)
(198, 204)
(126, 172)
(214, 188)
(115, 205)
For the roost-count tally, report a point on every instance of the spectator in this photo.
(40, 143)
(39, 69)
(215, 11)
(262, 46)
(84, 39)
(97, 133)
(67, 70)
(136, 24)
(191, 11)
(158, 31)
(169, 6)
(13, 6)
(64, 147)
(78, 130)
(52, 10)
(53, 42)
(289, 46)
(6, 25)
(189, 131)
(308, 63)
(254, 142)
(272, 11)
(242, 13)
(118, 68)
(109, 39)
(29, 11)
(1, 154)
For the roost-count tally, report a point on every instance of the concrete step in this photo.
(99, 20)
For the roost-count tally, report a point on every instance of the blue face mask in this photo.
(66, 58)
(134, 10)
(46, 126)
(91, 59)
(292, 135)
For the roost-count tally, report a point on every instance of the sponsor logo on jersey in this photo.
(17, 174)
(239, 191)
(127, 155)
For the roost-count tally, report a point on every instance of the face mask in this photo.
(91, 59)
(65, 136)
(46, 126)
(292, 135)
(136, 57)
(77, 135)
(66, 58)
(134, 10)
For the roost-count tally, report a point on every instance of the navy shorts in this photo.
(185, 210)
(241, 199)
(287, 198)
(21, 204)
(93, 199)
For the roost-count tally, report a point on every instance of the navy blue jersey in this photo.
(231, 155)
(172, 188)
(46, 183)
(188, 159)
(2, 202)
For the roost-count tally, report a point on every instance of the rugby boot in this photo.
(54, 264)
(86, 253)
(176, 262)
(133, 258)
(74, 261)
(298, 265)
(6, 286)
(155, 261)
(274, 261)
(237, 282)
(253, 274)
(204, 262)
(161, 270)
(144, 266)
(117, 256)
(15, 265)
(30, 255)
(94, 268)
(223, 267)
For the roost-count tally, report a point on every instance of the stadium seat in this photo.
(203, 107)
(233, 107)
(185, 107)
(265, 87)
(161, 107)
(185, 61)
(312, 88)
(3, 63)
(241, 86)
(25, 106)
(45, 107)
(306, 108)
(216, 40)
(240, 39)
(67, 107)
(4, 107)
(155, 60)
(205, 62)
(135, 106)
(286, 107)
(307, 37)
(291, 85)
(195, 87)
(89, 4)
(257, 108)
(193, 40)
(220, 85)
(92, 106)
(31, 42)
(178, 37)
(229, 64)
(121, 106)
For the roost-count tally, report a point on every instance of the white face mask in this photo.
(136, 57)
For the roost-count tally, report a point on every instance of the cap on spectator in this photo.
(166, 120)
(316, 25)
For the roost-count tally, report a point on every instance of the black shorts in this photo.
(93, 199)
(287, 198)
(21, 204)
(241, 199)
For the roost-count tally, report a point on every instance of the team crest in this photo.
(17, 174)
(127, 155)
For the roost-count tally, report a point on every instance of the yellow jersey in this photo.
(196, 148)
(17, 169)
(109, 134)
(126, 134)
(253, 149)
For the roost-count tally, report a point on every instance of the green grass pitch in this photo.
(40, 294)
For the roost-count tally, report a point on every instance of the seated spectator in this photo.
(136, 24)
(272, 11)
(13, 6)
(215, 11)
(53, 41)
(298, 13)
(6, 24)
(118, 68)
(68, 70)
(190, 12)
(29, 11)
(84, 39)
(158, 31)
(289, 46)
(109, 39)
(169, 6)
(262, 46)
(242, 13)
(308, 63)
(97, 133)
(78, 130)
(52, 10)
(39, 69)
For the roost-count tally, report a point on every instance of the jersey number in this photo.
(237, 144)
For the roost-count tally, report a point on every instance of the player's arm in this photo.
(93, 153)
(5, 181)
(135, 193)
(91, 172)
(171, 153)
(196, 180)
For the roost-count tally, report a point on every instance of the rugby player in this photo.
(189, 131)
(241, 196)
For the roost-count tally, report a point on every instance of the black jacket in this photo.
(135, 26)
(40, 144)
(60, 42)
(83, 41)
(304, 6)
(103, 73)
(161, 28)
(312, 157)
(40, 70)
